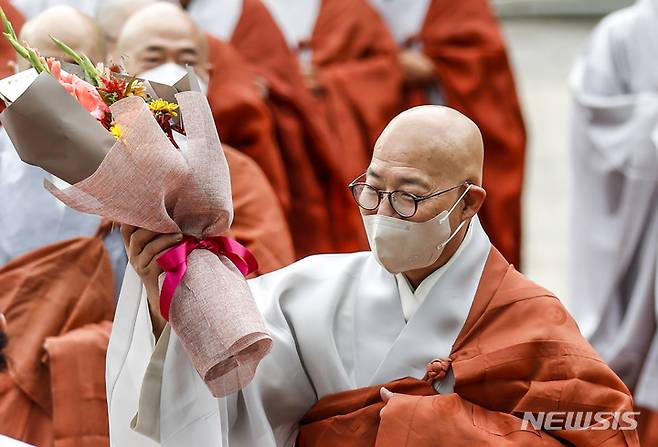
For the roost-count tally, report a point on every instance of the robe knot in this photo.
(437, 369)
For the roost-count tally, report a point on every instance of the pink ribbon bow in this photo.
(174, 262)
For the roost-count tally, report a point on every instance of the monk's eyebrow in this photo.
(373, 174)
(191, 51)
(154, 49)
(415, 181)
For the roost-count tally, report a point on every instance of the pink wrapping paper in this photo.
(145, 181)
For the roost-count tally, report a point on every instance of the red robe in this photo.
(302, 135)
(241, 115)
(356, 60)
(465, 42)
(258, 221)
(519, 351)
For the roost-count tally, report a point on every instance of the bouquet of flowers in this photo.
(148, 155)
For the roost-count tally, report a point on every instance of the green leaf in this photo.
(82, 60)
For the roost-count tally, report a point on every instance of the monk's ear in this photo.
(208, 68)
(473, 201)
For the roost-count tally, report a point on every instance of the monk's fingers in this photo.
(386, 394)
(138, 241)
(126, 232)
(145, 261)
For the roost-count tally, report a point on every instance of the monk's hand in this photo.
(417, 67)
(143, 248)
(386, 397)
(310, 74)
(262, 86)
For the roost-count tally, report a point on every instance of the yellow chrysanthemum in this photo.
(160, 105)
(116, 131)
(137, 89)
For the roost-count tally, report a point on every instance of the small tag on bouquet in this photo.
(14, 86)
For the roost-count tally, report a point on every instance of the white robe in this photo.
(217, 17)
(614, 207)
(337, 324)
(31, 8)
(10, 442)
(31, 217)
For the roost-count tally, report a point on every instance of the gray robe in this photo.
(614, 207)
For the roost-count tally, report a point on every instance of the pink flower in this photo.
(84, 92)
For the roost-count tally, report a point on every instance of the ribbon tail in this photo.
(171, 282)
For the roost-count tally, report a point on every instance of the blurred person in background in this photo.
(614, 204)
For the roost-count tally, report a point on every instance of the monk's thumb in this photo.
(386, 394)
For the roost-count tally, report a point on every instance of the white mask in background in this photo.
(401, 246)
(170, 73)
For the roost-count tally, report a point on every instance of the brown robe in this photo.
(303, 136)
(258, 221)
(241, 115)
(474, 75)
(518, 351)
(58, 301)
(355, 57)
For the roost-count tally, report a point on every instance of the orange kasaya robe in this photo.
(356, 60)
(242, 118)
(468, 49)
(306, 146)
(58, 301)
(519, 351)
(7, 52)
(648, 427)
(258, 221)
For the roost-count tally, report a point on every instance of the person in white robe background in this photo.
(614, 204)
(31, 217)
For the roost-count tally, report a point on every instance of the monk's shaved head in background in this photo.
(437, 141)
(160, 33)
(112, 15)
(69, 25)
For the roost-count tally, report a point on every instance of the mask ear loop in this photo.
(459, 227)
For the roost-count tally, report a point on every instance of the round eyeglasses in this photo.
(403, 203)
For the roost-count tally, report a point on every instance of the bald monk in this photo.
(318, 194)
(163, 37)
(433, 287)
(453, 53)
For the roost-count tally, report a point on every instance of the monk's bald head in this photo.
(160, 33)
(69, 25)
(425, 150)
(111, 16)
(438, 142)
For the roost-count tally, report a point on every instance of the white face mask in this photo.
(169, 74)
(401, 246)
